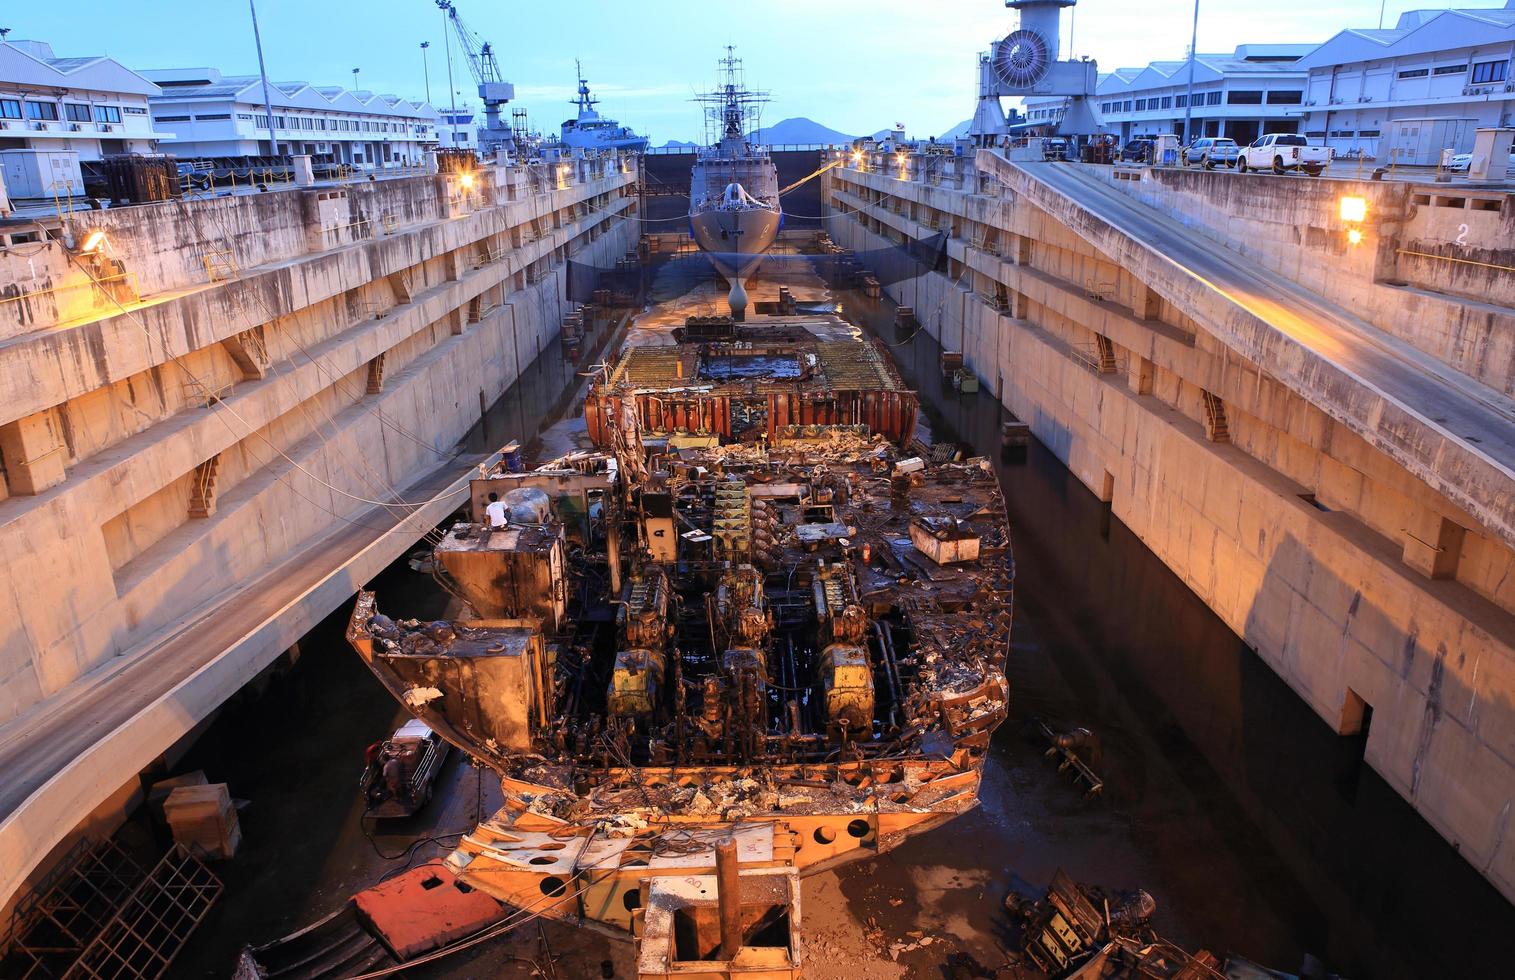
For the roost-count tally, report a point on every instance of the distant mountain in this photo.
(961, 129)
(679, 143)
(797, 130)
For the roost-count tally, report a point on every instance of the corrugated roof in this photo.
(69, 64)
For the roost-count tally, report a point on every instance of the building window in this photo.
(1449, 70)
(10, 109)
(1167, 102)
(164, 119)
(1127, 106)
(1243, 97)
(107, 113)
(132, 110)
(245, 116)
(1285, 98)
(1369, 134)
(42, 110)
(75, 112)
(279, 121)
(1180, 101)
(1415, 73)
(1212, 98)
(217, 115)
(1484, 71)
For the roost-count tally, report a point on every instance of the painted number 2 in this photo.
(1462, 234)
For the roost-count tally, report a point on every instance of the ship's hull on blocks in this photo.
(736, 238)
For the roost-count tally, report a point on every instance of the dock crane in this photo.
(493, 91)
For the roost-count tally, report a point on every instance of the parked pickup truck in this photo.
(1283, 152)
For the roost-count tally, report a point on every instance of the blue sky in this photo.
(855, 65)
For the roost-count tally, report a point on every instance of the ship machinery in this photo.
(750, 614)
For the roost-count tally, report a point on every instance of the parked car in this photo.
(1282, 152)
(1054, 149)
(1138, 150)
(1463, 162)
(1211, 152)
(398, 772)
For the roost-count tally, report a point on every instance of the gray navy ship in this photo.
(734, 211)
(591, 131)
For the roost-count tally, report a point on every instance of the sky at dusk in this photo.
(854, 65)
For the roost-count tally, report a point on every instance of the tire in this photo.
(1209, 164)
(1278, 165)
(1314, 171)
(1241, 165)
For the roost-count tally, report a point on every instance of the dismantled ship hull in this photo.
(784, 630)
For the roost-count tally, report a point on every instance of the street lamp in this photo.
(426, 70)
(268, 105)
(355, 78)
(1193, 55)
(446, 7)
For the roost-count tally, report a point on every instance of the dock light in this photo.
(93, 242)
(1354, 236)
(1354, 209)
(857, 157)
(466, 180)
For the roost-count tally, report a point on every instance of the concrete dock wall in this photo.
(1303, 537)
(166, 452)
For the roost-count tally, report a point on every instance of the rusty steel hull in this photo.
(757, 646)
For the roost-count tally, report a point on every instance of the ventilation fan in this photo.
(1021, 59)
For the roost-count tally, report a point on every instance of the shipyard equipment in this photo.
(1025, 62)
(494, 91)
(799, 650)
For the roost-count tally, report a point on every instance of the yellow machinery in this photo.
(847, 678)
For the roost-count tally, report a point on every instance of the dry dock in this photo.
(1265, 531)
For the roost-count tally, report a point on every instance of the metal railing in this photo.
(221, 265)
(361, 229)
(1099, 356)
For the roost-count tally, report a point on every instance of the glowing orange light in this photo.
(466, 180)
(1354, 209)
(93, 242)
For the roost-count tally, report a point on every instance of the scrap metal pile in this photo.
(749, 608)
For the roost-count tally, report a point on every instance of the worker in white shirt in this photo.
(495, 512)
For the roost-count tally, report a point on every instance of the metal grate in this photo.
(103, 917)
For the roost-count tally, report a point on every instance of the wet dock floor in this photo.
(1254, 826)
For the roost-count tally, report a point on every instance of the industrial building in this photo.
(216, 115)
(1256, 89)
(55, 112)
(1409, 92)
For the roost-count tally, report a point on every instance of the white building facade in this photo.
(1256, 89)
(215, 116)
(457, 128)
(56, 112)
(1411, 91)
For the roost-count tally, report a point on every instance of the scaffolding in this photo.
(100, 916)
